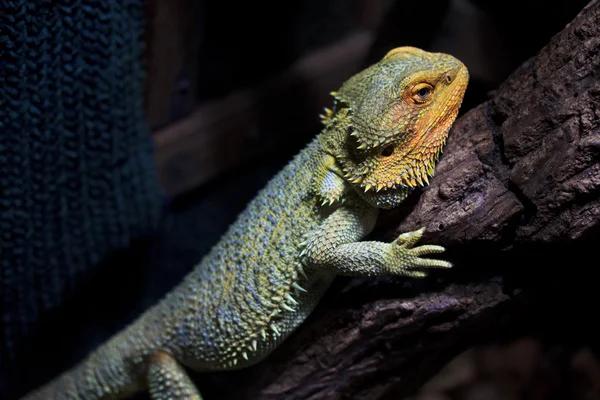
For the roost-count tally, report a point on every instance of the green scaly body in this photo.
(270, 269)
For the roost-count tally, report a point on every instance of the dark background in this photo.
(240, 45)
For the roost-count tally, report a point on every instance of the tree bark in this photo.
(516, 201)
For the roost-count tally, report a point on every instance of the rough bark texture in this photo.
(524, 166)
(515, 199)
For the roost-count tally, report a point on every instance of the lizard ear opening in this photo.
(387, 151)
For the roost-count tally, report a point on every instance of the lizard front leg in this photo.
(335, 244)
(168, 380)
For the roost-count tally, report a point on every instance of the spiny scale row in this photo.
(253, 346)
(408, 179)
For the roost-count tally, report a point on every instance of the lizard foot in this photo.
(405, 259)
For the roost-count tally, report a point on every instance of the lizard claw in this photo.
(409, 239)
(407, 260)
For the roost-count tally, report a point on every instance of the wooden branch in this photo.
(520, 171)
(524, 166)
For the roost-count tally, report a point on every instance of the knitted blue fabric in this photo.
(77, 177)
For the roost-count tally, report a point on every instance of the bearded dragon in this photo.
(380, 140)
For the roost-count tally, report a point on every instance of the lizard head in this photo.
(390, 122)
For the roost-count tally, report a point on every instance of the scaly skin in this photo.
(268, 272)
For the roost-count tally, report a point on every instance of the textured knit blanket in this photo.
(77, 177)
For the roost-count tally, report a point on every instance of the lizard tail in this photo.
(115, 370)
(61, 387)
(102, 375)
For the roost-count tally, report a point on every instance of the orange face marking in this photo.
(411, 159)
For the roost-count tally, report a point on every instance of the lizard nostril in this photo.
(448, 79)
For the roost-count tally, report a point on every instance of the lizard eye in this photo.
(421, 92)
